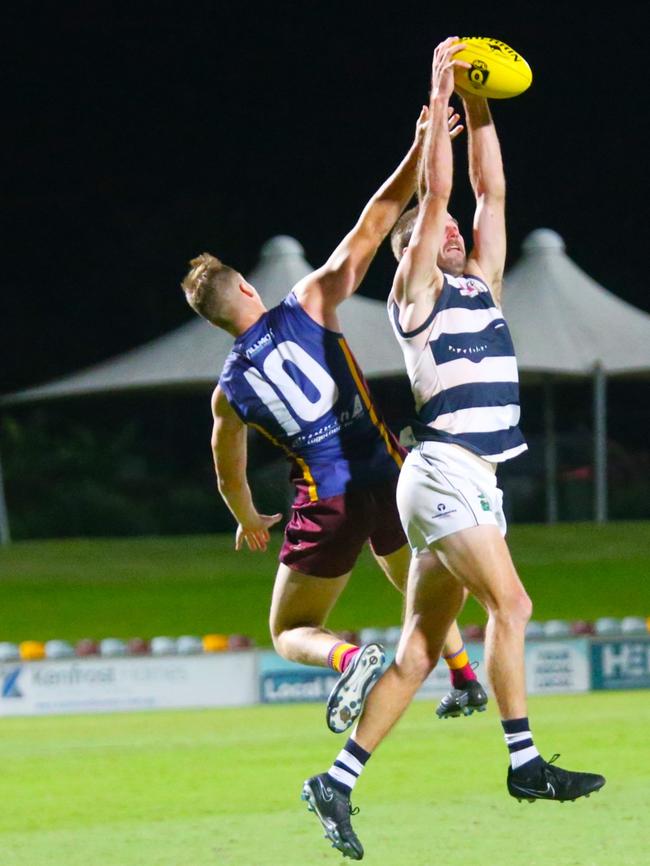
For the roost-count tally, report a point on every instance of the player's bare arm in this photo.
(487, 258)
(455, 129)
(322, 291)
(229, 451)
(418, 278)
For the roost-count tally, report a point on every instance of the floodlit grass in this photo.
(197, 584)
(222, 787)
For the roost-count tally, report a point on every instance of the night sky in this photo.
(137, 135)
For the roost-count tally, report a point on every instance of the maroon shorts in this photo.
(324, 538)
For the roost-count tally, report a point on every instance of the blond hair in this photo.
(208, 287)
(400, 237)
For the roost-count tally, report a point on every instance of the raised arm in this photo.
(322, 291)
(488, 182)
(230, 456)
(418, 278)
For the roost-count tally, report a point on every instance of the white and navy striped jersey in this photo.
(463, 371)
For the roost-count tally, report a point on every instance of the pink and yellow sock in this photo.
(460, 668)
(341, 655)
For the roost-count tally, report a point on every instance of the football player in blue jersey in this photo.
(291, 375)
(445, 309)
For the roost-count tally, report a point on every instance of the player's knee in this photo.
(425, 664)
(287, 633)
(283, 643)
(526, 608)
(516, 608)
(278, 636)
(416, 660)
(521, 607)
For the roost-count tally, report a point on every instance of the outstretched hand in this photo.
(421, 125)
(256, 531)
(453, 122)
(442, 70)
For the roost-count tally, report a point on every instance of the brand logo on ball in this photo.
(478, 74)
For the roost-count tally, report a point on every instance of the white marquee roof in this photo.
(192, 356)
(562, 322)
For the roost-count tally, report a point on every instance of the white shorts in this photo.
(444, 488)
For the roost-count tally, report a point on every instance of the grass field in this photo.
(197, 584)
(222, 787)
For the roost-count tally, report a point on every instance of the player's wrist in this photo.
(477, 109)
(250, 521)
(439, 100)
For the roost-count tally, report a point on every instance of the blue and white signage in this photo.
(621, 664)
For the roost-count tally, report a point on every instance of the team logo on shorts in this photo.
(485, 505)
(443, 511)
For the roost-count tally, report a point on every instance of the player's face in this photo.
(451, 256)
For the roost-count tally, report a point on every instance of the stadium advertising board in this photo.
(286, 682)
(283, 682)
(557, 666)
(552, 667)
(110, 685)
(621, 664)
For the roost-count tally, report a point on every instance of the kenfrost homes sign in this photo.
(98, 685)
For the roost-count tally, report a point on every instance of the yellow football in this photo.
(497, 70)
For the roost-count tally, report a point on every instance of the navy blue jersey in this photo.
(299, 384)
(463, 371)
